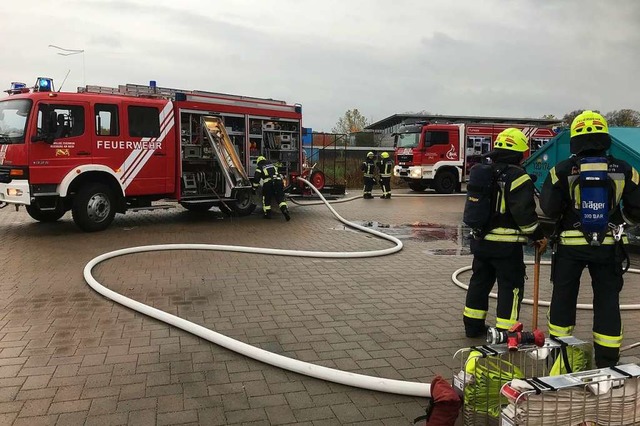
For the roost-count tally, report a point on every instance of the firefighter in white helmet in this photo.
(368, 169)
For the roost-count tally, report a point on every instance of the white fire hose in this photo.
(355, 197)
(330, 374)
(324, 373)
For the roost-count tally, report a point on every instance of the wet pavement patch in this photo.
(449, 252)
(448, 240)
(419, 231)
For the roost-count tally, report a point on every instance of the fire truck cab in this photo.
(440, 155)
(103, 151)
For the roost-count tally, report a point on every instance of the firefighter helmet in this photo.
(512, 139)
(384, 155)
(589, 132)
(588, 122)
(370, 154)
(260, 159)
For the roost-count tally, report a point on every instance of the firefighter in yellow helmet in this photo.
(590, 195)
(385, 168)
(268, 176)
(501, 224)
(368, 169)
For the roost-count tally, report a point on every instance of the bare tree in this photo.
(623, 118)
(352, 121)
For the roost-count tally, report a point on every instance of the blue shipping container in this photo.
(625, 145)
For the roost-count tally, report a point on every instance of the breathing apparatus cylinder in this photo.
(594, 198)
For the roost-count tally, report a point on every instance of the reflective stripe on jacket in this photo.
(515, 216)
(369, 168)
(266, 173)
(560, 198)
(385, 167)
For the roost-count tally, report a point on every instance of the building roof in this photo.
(396, 119)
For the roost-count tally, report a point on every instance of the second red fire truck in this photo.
(103, 151)
(440, 155)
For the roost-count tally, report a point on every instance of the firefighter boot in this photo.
(285, 212)
(267, 215)
(474, 327)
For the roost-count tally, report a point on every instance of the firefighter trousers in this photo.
(368, 186)
(385, 185)
(509, 270)
(605, 267)
(270, 190)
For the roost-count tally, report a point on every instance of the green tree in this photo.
(623, 118)
(352, 121)
(549, 117)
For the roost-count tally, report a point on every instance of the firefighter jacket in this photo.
(560, 201)
(368, 167)
(385, 167)
(514, 219)
(265, 173)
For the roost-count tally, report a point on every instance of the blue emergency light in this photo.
(44, 84)
(17, 88)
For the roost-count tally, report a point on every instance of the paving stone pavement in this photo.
(69, 356)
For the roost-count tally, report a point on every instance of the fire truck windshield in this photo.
(13, 120)
(407, 140)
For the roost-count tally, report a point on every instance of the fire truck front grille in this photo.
(405, 158)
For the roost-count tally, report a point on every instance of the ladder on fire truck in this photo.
(173, 94)
(219, 139)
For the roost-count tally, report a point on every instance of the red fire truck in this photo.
(440, 155)
(103, 150)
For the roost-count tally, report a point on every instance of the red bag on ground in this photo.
(444, 404)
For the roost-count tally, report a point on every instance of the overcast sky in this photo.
(517, 58)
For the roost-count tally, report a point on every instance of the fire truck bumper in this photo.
(16, 192)
(400, 171)
(412, 172)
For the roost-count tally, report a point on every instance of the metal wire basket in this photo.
(485, 369)
(603, 397)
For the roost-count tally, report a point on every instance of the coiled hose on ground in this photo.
(333, 375)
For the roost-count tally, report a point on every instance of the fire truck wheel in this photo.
(93, 207)
(243, 206)
(445, 182)
(46, 216)
(417, 186)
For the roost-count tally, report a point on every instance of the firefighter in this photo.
(270, 179)
(498, 252)
(574, 250)
(368, 169)
(385, 168)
